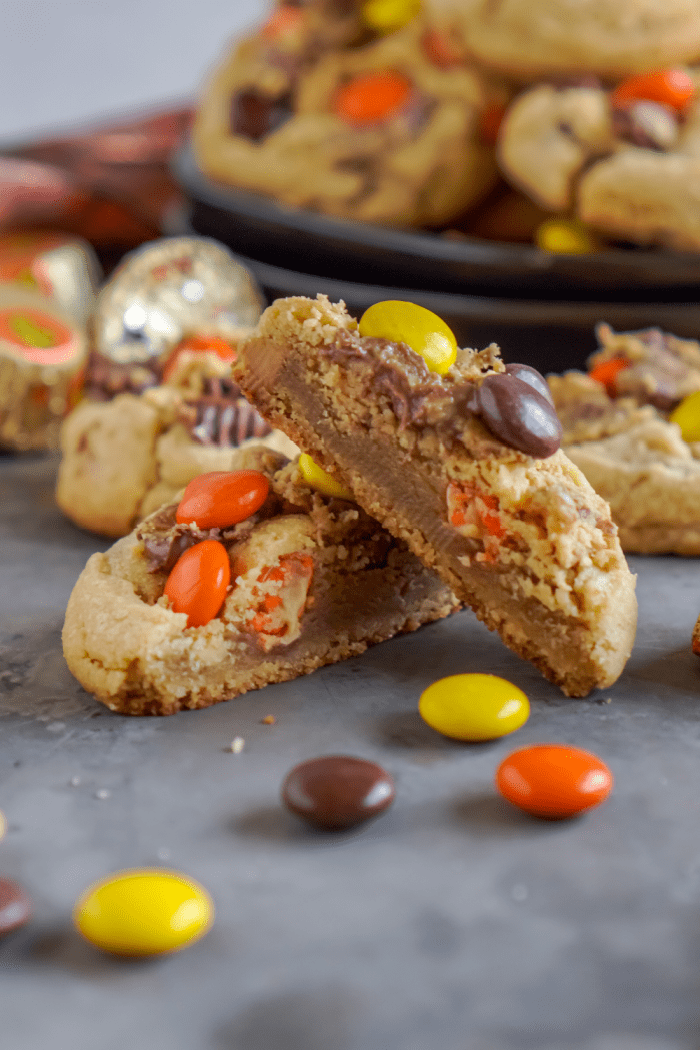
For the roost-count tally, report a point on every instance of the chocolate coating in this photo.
(337, 791)
(517, 413)
(533, 377)
(15, 907)
(254, 115)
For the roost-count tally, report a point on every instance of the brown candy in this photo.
(337, 791)
(15, 907)
(254, 114)
(514, 407)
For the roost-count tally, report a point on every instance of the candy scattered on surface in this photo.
(198, 582)
(564, 237)
(337, 791)
(474, 707)
(554, 780)
(15, 907)
(317, 478)
(222, 498)
(143, 911)
(421, 329)
(3, 825)
(687, 416)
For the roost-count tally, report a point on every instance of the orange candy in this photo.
(222, 498)
(198, 582)
(372, 97)
(673, 87)
(607, 372)
(553, 780)
(199, 344)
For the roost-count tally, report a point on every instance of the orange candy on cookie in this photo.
(607, 372)
(672, 87)
(198, 583)
(554, 781)
(222, 498)
(372, 97)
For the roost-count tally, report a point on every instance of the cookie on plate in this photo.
(122, 458)
(313, 580)
(620, 431)
(625, 161)
(385, 132)
(610, 38)
(464, 466)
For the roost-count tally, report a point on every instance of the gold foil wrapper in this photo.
(62, 267)
(170, 290)
(43, 353)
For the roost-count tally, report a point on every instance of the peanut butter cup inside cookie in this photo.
(464, 465)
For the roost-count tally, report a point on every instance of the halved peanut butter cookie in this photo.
(252, 578)
(464, 466)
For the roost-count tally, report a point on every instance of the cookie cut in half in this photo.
(464, 465)
(183, 615)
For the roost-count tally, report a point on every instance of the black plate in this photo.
(549, 335)
(259, 228)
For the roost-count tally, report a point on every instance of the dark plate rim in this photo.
(681, 268)
(523, 313)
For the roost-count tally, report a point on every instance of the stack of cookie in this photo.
(408, 114)
(436, 480)
(160, 406)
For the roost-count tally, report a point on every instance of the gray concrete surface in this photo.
(453, 922)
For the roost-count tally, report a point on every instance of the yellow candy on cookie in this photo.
(317, 478)
(421, 329)
(687, 416)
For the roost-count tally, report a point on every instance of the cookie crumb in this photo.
(103, 793)
(236, 745)
(268, 720)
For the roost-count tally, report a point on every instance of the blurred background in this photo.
(67, 63)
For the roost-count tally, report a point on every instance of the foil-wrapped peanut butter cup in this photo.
(167, 291)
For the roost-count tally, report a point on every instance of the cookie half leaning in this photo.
(314, 580)
(525, 541)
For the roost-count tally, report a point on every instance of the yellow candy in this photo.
(316, 478)
(387, 15)
(144, 911)
(687, 416)
(3, 825)
(564, 237)
(425, 332)
(474, 706)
